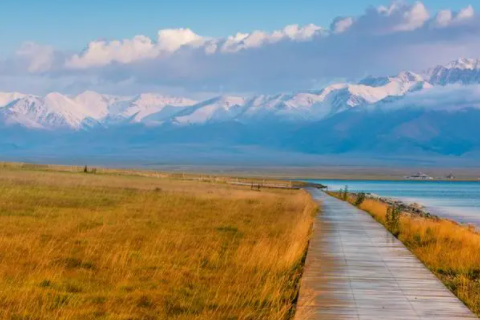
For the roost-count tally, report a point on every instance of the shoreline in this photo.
(284, 172)
(412, 208)
(452, 200)
(389, 179)
(416, 209)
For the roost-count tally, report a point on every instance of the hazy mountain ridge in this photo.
(462, 71)
(405, 113)
(88, 109)
(56, 111)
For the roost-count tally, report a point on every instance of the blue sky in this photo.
(184, 46)
(70, 25)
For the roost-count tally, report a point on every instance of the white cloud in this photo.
(444, 18)
(37, 58)
(243, 41)
(381, 41)
(413, 18)
(295, 32)
(101, 53)
(170, 40)
(399, 16)
(447, 18)
(341, 24)
(452, 97)
(466, 13)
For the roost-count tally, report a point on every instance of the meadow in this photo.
(450, 250)
(126, 245)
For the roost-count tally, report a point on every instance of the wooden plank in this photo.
(356, 269)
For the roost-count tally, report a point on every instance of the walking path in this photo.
(356, 269)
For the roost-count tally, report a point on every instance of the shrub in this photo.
(345, 193)
(360, 199)
(393, 220)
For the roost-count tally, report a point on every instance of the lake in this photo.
(456, 200)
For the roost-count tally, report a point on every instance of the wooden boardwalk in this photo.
(355, 269)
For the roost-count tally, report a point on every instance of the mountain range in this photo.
(436, 112)
(90, 109)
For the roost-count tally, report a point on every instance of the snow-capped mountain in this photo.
(299, 107)
(400, 113)
(6, 97)
(98, 105)
(54, 111)
(88, 109)
(220, 109)
(461, 71)
(145, 106)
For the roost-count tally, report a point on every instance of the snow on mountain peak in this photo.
(409, 76)
(95, 104)
(62, 105)
(157, 99)
(7, 97)
(56, 110)
(59, 111)
(464, 64)
(219, 109)
(147, 104)
(463, 71)
(228, 101)
(51, 112)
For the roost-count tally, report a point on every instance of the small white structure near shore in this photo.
(419, 176)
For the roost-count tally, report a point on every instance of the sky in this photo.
(70, 24)
(194, 47)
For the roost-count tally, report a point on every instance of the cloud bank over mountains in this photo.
(434, 114)
(383, 40)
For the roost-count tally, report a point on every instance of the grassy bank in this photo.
(451, 251)
(103, 246)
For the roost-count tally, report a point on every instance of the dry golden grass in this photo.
(225, 178)
(81, 246)
(449, 250)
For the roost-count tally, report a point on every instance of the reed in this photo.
(80, 246)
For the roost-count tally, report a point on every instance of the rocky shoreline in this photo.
(413, 209)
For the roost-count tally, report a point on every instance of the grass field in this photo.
(451, 251)
(98, 246)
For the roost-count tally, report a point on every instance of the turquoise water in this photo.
(459, 201)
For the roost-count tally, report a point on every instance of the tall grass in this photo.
(451, 251)
(76, 246)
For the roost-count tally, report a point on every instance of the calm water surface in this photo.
(459, 201)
